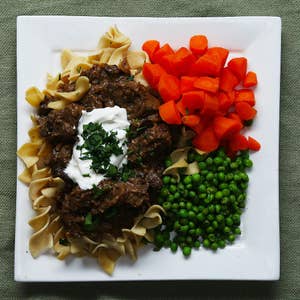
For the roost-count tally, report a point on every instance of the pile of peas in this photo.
(204, 208)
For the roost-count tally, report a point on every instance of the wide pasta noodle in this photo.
(48, 230)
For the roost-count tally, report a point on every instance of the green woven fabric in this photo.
(289, 285)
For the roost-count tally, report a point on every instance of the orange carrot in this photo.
(224, 127)
(224, 101)
(238, 142)
(250, 80)
(181, 108)
(183, 59)
(169, 113)
(208, 84)
(190, 120)
(253, 144)
(152, 73)
(169, 87)
(228, 80)
(222, 53)
(201, 125)
(206, 140)
(198, 44)
(167, 62)
(245, 96)
(235, 116)
(161, 52)
(187, 83)
(193, 100)
(150, 47)
(238, 66)
(207, 64)
(245, 111)
(211, 105)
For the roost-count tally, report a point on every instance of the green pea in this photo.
(234, 165)
(189, 205)
(167, 205)
(182, 204)
(191, 224)
(226, 192)
(202, 188)
(210, 229)
(210, 176)
(164, 192)
(248, 163)
(206, 243)
(189, 186)
(187, 180)
(210, 217)
(197, 244)
(198, 157)
(159, 238)
(244, 185)
(173, 247)
(217, 208)
(204, 172)
(205, 211)
(244, 177)
(198, 231)
(202, 165)
(200, 217)
(226, 229)
(189, 239)
(218, 195)
(223, 186)
(170, 198)
(236, 219)
(180, 186)
(231, 238)
(192, 194)
(214, 246)
(232, 198)
(183, 213)
(184, 228)
(191, 157)
(166, 179)
(168, 163)
(236, 177)
(191, 214)
(229, 177)
(215, 224)
(177, 195)
(173, 180)
(192, 232)
(211, 237)
(237, 231)
(218, 160)
(229, 221)
(211, 209)
(176, 225)
(209, 161)
(196, 178)
(202, 195)
(221, 176)
(219, 218)
(183, 221)
(221, 244)
(225, 200)
(186, 251)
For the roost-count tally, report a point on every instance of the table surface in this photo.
(288, 287)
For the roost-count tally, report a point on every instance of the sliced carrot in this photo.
(236, 117)
(187, 83)
(221, 52)
(206, 140)
(198, 44)
(224, 127)
(169, 113)
(250, 80)
(238, 66)
(245, 111)
(201, 125)
(238, 142)
(228, 80)
(211, 105)
(253, 144)
(152, 73)
(166, 62)
(208, 84)
(181, 108)
(193, 100)
(183, 59)
(169, 87)
(150, 47)
(190, 120)
(161, 52)
(225, 101)
(245, 96)
(207, 64)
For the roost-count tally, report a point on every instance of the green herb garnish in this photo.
(86, 175)
(90, 222)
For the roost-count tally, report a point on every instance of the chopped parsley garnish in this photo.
(99, 145)
(100, 191)
(86, 175)
(90, 222)
(64, 242)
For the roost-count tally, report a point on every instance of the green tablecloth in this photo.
(289, 285)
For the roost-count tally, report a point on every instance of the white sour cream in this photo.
(112, 119)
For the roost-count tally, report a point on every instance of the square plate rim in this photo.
(274, 19)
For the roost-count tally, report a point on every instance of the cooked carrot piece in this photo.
(201, 125)
(198, 44)
(211, 105)
(245, 96)
(253, 144)
(208, 84)
(181, 108)
(238, 142)
(161, 52)
(225, 127)
(150, 47)
(250, 80)
(190, 120)
(225, 101)
(193, 100)
(222, 53)
(228, 80)
(206, 140)
(169, 87)
(187, 83)
(238, 66)
(245, 111)
(207, 64)
(167, 62)
(152, 73)
(235, 116)
(183, 59)
(169, 113)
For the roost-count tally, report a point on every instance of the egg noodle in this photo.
(47, 226)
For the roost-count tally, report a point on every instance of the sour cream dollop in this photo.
(112, 119)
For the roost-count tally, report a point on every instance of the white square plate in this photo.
(255, 256)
